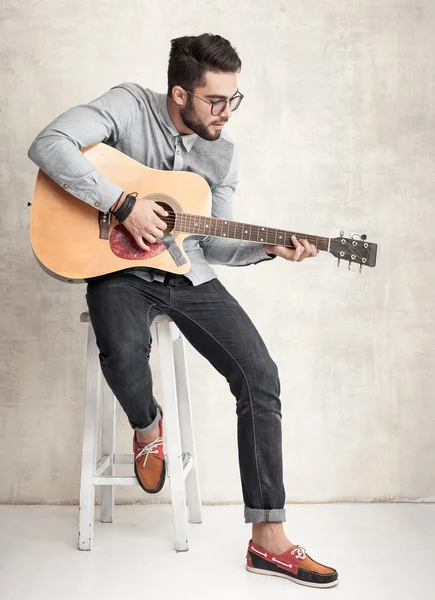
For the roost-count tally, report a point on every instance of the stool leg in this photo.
(87, 488)
(108, 419)
(186, 427)
(172, 436)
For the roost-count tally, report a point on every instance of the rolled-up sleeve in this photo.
(233, 253)
(57, 149)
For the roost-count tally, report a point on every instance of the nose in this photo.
(227, 112)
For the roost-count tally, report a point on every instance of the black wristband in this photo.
(126, 208)
(122, 213)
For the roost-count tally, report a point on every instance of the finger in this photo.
(297, 254)
(149, 237)
(157, 233)
(298, 248)
(295, 242)
(160, 210)
(140, 242)
(303, 256)
(160, 224)
(307, 249)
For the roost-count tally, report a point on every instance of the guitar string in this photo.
(268, 231)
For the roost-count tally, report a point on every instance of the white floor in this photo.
(381, 551)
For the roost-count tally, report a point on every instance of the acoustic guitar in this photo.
(74, 241)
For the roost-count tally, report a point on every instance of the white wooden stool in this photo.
(179, 444)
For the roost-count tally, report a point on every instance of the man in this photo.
(183, 130)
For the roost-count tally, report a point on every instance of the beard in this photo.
(192, 121)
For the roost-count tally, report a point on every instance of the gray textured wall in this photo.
(336, 130)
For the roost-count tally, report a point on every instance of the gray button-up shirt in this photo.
(135, 121)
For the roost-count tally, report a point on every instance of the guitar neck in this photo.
(235, 230)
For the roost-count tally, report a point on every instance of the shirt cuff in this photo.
(105, 194)
(261, 255)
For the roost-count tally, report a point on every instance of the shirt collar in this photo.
(186, 140)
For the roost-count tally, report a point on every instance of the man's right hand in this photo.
(144, 222)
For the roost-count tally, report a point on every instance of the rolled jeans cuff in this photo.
(258, 515)
(150, 427)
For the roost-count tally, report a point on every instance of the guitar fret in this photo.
(226, 234)
(262, 233)
(232, 234)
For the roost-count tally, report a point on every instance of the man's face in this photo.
(196, 114)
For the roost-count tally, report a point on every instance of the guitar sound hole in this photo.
(170, 219)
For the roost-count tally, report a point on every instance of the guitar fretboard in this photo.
(243, 231)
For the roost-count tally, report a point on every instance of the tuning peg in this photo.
(360, 268)
(348, 268)
(363, 236)
(338, 262)
(342, 233)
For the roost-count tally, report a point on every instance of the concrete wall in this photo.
(336, 131)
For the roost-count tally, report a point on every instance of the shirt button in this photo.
(96, 204)
(65, 185)
(178, 152)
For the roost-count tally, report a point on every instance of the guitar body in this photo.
(65, 231)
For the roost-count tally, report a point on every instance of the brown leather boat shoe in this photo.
(295, 564)
(149, 463)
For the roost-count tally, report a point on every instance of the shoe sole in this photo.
(299, 581)
(159, 485)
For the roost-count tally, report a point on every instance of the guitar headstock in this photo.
(355, 249)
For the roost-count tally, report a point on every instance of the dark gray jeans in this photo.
(122, 307)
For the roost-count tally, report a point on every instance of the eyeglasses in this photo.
(218, 107)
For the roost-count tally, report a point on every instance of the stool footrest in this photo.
(123, 459)
(114, 480)
(127, 459)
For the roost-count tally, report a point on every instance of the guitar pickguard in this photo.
(123, 245)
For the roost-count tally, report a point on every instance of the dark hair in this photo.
(191, 56)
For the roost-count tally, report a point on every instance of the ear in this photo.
(179, 95)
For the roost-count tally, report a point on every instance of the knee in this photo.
(263, 370)
(125, 356)
(259, 375)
